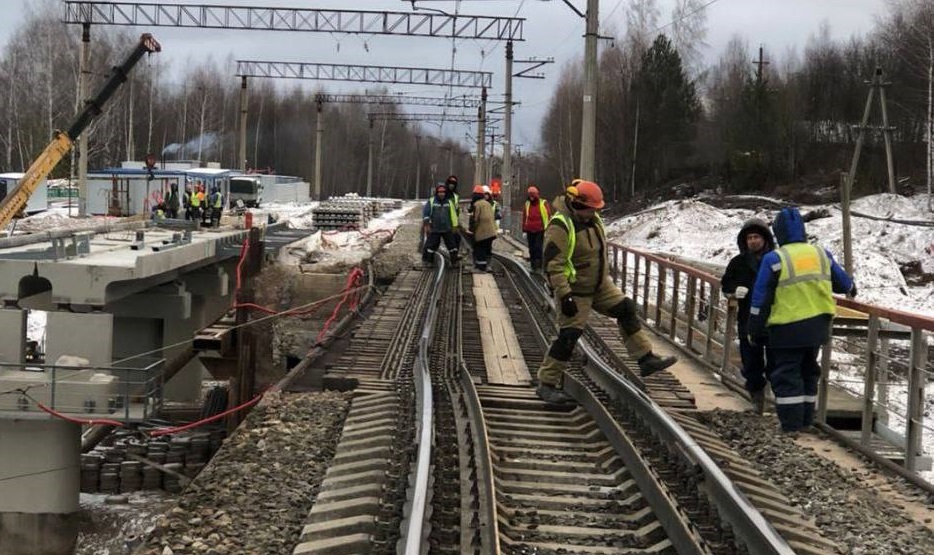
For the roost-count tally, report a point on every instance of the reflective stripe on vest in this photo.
(541, 209)
(195, 201)
(804, 286)
(570, 272)
(452, 207)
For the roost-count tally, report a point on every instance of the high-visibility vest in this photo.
(569, 271)
(541, 209)
(218, 200)
(195, 200)
(804, 284)
(452, 206)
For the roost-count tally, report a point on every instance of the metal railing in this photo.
(132, 393)
(874, 353)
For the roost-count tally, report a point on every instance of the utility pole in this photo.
(876, 83)
(241, 158)
(369, 161)
(85, 57)
(450, 150)
(481, 132)
(507, 140)
(847, 233)
(418, 166)
(589, 115)
(319, 138)
(635, 151)
(759, 65)
(492, 159)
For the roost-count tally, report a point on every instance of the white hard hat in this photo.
(486, 189)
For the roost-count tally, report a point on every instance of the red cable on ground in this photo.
(89, 421)
(353, 281)
(208, 420)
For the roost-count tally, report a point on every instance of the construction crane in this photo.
(16, 200)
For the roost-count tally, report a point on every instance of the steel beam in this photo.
(402, 116)
(364, 73)
(206, 16)
(449, 102)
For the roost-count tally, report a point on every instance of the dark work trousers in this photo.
(757, 363)
(482, 250)
(434, 241)
(536, 240)
(794, 382)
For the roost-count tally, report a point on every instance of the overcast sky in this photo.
(551, 30)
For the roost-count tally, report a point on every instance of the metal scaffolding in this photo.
(453, 118)
(367, 22)
(448, 102)
(364, 73)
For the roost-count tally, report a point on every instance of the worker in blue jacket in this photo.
(793, 300)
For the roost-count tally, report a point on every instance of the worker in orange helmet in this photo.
(575, 259)
(534, 219)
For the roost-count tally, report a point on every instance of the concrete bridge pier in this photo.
(39, 490)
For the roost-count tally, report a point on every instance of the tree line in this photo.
(196, 116)
(665, 118)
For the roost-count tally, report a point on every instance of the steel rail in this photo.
(747, 523)
(414, 522)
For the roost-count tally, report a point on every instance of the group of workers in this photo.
(197, 206)
(784, 286)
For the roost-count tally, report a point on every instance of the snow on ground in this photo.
(699, 231)
(345, 248)
(298, 214)
(57, 217)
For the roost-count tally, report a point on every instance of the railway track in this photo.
(436, 458)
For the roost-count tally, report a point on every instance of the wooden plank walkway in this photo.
(505, 364)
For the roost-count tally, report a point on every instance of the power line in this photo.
(685, 16)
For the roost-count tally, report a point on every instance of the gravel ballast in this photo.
(256, 492)
(844, 505)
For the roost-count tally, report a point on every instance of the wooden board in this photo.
(505, 364)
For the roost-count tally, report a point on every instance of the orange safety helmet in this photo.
(587, 193)
(478, 189)
(532, 190)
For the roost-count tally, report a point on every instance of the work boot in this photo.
(651, 363)
(758, 401)
(552, 395)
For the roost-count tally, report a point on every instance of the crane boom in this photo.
(16, 200)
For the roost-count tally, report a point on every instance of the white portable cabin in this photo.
(39, 200)
(279, 188)
(129, 191)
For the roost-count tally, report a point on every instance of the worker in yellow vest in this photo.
(793, 300)
(575, 259)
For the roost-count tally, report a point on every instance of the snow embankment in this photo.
(893, 262)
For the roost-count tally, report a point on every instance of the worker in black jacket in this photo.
(754, 240)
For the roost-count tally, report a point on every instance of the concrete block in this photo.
(362, 524)
(345, 545)
(85, 335)
(12, 335)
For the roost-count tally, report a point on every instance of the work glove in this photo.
(741, 292)
(852, 292)
(568, 306)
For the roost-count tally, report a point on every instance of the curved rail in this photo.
(747, 523)
(414, 522)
